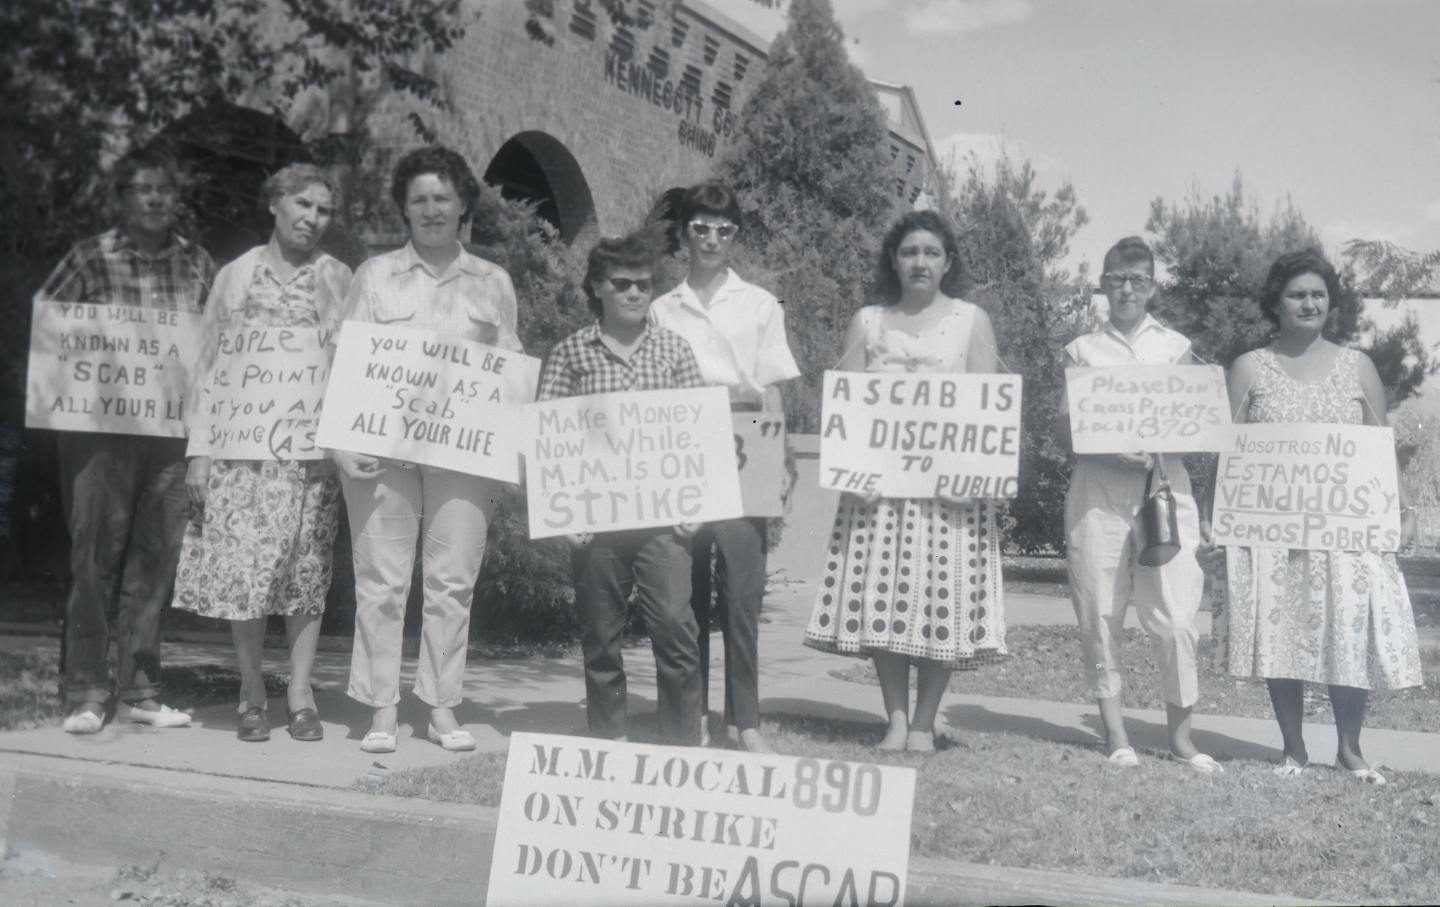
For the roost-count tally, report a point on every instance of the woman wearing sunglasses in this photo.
(431, 282)
(620, 352)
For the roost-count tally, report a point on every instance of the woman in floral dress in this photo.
(1340, 618)
(914, 580)
(259, 542)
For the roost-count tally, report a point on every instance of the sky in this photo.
(1335, 103)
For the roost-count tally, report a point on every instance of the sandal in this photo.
(1202, 764)
(1289, 768)
(1124, 757)
(1369, 775)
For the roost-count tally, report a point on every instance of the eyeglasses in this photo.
(621, 284)
(702, 230)
(145, 189)
(1140, 282)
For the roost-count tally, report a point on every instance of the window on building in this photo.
(741, 65)
(894, 151)
(678, 33)
(914, 194)
(900, 186)
(623, 44)
(691, 80)
(712, 49)
(544, 8)
(659, 63)
(645, 16)
(722, 95)
(909, 163)
(582, 22)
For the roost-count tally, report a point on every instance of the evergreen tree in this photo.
(811, 170)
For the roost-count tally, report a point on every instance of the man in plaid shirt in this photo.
(622, 351)
(124, 495)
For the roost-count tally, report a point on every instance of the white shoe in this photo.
(83, 721)
(379, 742)
(161, 717)
(456, 741)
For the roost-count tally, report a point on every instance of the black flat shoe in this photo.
(305, 725)
(254, 725)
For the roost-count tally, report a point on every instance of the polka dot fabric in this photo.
(911, 576)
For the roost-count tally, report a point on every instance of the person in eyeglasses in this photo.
(623, 351)
(1102, 509)
(125, 499)
(738, 333)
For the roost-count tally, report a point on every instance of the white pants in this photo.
(1102, 530)
(387, 513)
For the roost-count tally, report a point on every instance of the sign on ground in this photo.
(586, 821)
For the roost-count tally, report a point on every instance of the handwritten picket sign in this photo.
(262, 398)
(110, 368)
(915, 435)
(1309, 486)
(631, 460)
(760, 460)
(424, 397)
(587, 821)
(1148, 408)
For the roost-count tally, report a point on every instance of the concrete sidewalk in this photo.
(547, 695)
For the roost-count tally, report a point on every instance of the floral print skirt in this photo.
(262, 543)
(914, 577)
(1330, 617)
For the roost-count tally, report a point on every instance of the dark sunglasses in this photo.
(621, 284)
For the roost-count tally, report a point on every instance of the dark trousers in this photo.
(739, 581)
(654, 563)
(126, 506)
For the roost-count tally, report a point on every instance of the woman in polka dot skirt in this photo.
(914, 579)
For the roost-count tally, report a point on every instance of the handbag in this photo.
(1159, 524)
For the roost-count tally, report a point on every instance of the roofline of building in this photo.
(712, 15)
(919, 118)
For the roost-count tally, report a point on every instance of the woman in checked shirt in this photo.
(431, 283)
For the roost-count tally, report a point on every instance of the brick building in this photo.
(596, 121)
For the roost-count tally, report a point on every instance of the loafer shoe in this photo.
(456, 741)
(254, 726)
(379, 742)
(83, 721)
(305, 725)
(161, 717)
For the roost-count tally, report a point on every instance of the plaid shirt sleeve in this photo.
(72, 279)
(687, 369)
(557, 378)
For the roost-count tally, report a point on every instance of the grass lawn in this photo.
(1011, 800)
(30, 694)
(1045, 664)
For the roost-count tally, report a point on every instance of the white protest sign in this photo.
(1321, 487)
(915, 435)
(262, 398)
(585, 821)
(111, 368)
(632, 460)
(1148, 408)
(760, 459)
(426, 397)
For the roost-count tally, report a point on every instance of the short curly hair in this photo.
(295, 178)
(637, 251)
(443, 162)
(887, 282)
(1290, 266)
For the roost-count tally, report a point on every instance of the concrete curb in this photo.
(396, 850)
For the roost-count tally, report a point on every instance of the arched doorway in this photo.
(536, 167)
